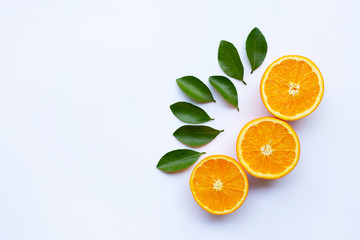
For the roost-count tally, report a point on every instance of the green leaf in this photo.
(195, 89)
(178, 160)
(256, 48)
(190, 113)
(196, 136)
(229, 61)
(226, 88)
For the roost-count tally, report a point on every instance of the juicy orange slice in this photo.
(268, 148)
(219, 184)
(292, 87)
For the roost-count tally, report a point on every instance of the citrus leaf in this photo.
(196, 136)
(178, 159)
(190, 113)
(226, 88)
(229, 61)
(256, 48)
(195, 89)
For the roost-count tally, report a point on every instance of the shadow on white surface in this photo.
(217, 219)
(258, 183)
(302, 123)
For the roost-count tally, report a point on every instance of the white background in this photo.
(85, 89)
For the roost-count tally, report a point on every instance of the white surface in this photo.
(84, 118)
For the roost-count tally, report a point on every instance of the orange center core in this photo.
(217, 185)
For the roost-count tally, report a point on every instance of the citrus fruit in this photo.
(292, 87)
(268, 148)
(219, 184)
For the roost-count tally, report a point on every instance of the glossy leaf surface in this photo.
(190, 113)
(196, 136)
(195, 89)
(178, 159)
(229, 61)
(256, 48)
(226, 88)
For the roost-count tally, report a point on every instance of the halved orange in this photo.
(219, 184)
(268, 148)
(292, 87)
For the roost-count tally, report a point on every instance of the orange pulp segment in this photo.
(219, 184)
(292, 87)
(268, 148)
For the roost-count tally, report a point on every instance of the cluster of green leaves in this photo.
(199, 135)
(229, 59)
(193, 135)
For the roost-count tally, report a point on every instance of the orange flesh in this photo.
(296, 77)
(268, 148)
(219, 185)
(281, 143)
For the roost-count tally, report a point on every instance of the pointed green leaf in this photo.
(190, 113)
(178, 160)
(195, 89)
(229, 61)
(256, 48)
(196, 136)
(226, 88)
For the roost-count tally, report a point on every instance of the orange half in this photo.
(268, 148)
(292, 87)
(219, 184)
